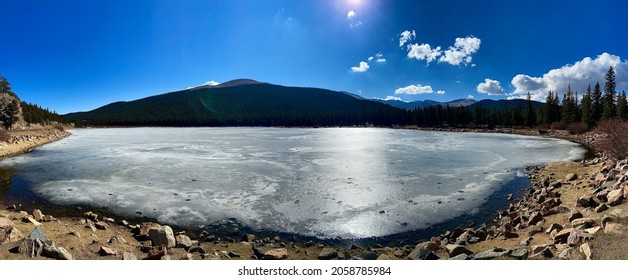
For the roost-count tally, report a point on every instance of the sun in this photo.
(354, 3)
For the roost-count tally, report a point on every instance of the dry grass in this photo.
(4, 136)
(616, 142)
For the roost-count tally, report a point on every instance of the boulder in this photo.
(553, 227)
(128, 256)
(141, 232)
(107, 251)
(535, 218)
(276, 254)
(157, 253)
(561, 236)
(101, 225)
(460, 257)
(585, 249)
(593, 230)
(58, 253)
(31, 220)
(586, 201)
(603, 207)
(183, 241)
(574, 215)
(33, 245)
(38, 215)
(584, 222)
(248, 238)
(162, 236)
(614, 228)
(519, 253)
(117, 239)
(455, 250)
(425, 254)
(490, 254)
(615, 197)
(328, 254)
(570, 177)
(6, 226)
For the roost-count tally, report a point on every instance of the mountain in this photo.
(426, 103)
(503, 104)
(244, 102)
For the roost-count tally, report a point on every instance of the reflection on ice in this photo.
(348, 182)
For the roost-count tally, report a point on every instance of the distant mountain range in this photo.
(246, 102)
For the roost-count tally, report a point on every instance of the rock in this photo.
(526, 242)
(58, 253)
(6, 226)
(614, 228)
(38, 215)
(141, 232)
(615, 197)
(232, 254)
(490, 254)
(31, 220)
(125, 224)
(101, 225)
(128, 256)
(574, 215)
(586, 201)
(593, 230)
(183, 241)
(584, 222)
(576, 237)
(106, 251)
(201, 251)
(157, 253)
(385, 257)
(535, 218)
(276, 254)
(424, 254)
(248, 238)
(519, 253)
(460, 257)
(586, 250)
(117, 239)
(456, 233)
(49, 218)
(566, 254)
(546, 181)
(328, 254)
(603, 207)
(561, 236)
(455, 250)
(534, 229)
(554, 227)
(570, 177)
(162, 236)
(33, 245)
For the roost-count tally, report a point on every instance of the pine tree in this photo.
(587, 109)
(530, 116)
(596, 101)
(622, 113)
(517, 117)
(9, 114)
(609, 109)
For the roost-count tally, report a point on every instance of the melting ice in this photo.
(348, 182)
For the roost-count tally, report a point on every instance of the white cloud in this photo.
(461, 51)
(355, 24)
(351, 14)
(579, 76)
(470, 96)
(362, 67)
(379, 54)
(370, 58)
(381, 60)
(490, 87)
(406, 36)
(414, 89)
(440, 92)
(423, 52)
(389, 98)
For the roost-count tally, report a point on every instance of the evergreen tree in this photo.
(530, 116)
(587, 108)
(9, 114)
(517, 117)
(609, 109)
(596, 102)
(622, 110)
(5, 86)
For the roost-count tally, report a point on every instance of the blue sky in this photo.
(72, 55)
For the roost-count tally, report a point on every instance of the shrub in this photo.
(59, 127)
(615, 144)
(4, 136)
(577, 128)
(557, 126)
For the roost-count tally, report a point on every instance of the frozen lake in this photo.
(348, 182)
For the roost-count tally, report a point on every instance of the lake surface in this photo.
(327, 182)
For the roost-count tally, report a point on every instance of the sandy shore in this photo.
(573, 210)
(24, 141)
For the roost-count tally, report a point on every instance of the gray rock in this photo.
(6, 226)
(490, 254)
(460, 257)
(276, 254)
(571, 177)
(106, 251)
(38, 215)
(584, 222)
(455, 250)
(162, 236)
(128, 256)
(574, 215)
(183, 241)
(58, 253)
(615, 197)
(328, 254)
(586, 201)
(101, 225)
(33, 245)
(603, 207)
(425, 254)
(519, 253)
(248, 238)
(586, 250)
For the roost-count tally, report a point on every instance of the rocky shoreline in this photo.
(24, 141)
(573, 210)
